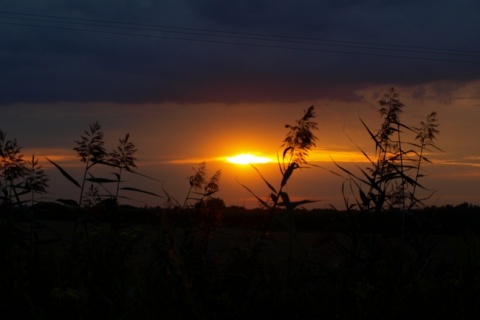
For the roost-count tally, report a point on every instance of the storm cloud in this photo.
(231, 52)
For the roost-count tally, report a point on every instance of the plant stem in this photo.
(402, 188)
(118, 183)
(83, 181)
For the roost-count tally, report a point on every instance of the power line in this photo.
(261, 38)
(273, 36)
(212, 36)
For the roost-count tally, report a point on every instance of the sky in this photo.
(194, 81)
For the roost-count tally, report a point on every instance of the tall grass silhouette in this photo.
(299, 141)
(198, 259)
(91, 151)
(19, 177)
(123, 158)
(392, 179)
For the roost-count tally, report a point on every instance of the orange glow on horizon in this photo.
(63, 156)
(337, 156)
(247, 158)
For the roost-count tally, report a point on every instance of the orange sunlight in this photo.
(315, 156)
(65, 157)
(337, 156)
(247, 158)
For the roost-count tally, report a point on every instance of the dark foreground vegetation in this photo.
(385, 256)
(201, 264)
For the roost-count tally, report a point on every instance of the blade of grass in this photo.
(102, 180)
(141, 191)
(142, 175)
(258, 198)
(64, 173)
(265, 180)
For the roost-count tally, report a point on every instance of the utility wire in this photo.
(259, 37)
(253, 39)
(241, 33)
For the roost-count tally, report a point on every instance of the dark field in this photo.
(96, 259)
(194, 264)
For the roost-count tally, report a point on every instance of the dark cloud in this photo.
(102, 63)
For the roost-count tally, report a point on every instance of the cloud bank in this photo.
(172, 51)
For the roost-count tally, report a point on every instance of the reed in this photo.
(12, 169)
(392, 179)
(91, 151)
(299, 140)
(177, 267)
(123, 158)
(19, 177)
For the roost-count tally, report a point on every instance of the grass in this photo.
(199, 259)
(133, 272)
(392, 179)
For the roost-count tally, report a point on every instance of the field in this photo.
(156, 263)
(385, 256)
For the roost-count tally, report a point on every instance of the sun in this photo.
(247, 158)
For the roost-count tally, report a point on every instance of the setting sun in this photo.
(247, 158)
